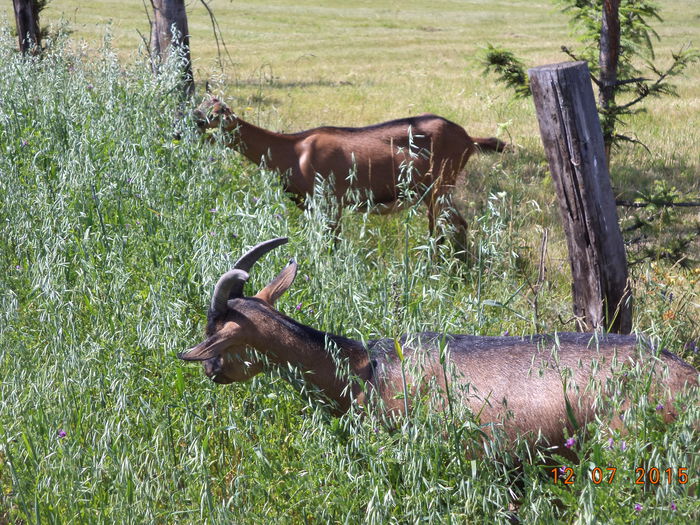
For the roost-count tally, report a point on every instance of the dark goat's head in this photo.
(226, 354)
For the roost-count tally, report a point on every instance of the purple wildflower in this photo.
(255, 199)
(660, 407)
(306, 278)
(623, 446)
(278, 216)
(562, 470)
(298, 307)
(611, 442)
(506, 333)
(213, 210)
(570, 442)
(673, 506)
(18, 267)
(638, 507)
(25, 143)
(90, 86)
(61, 433)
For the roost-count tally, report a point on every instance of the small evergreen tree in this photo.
(617, 43)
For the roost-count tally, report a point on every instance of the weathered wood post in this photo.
(169, 14)
(573, 142)
(27, 21)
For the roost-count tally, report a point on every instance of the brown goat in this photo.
(520, 384)
(427, 151)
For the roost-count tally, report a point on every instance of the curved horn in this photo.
(247, 261)
(224, 286)
(230, 285)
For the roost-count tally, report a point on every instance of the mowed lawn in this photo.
(302, 64)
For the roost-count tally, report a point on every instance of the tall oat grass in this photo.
(112, 236)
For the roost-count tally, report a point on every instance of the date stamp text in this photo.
(642, 476)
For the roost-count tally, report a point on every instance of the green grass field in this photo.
(113, 235)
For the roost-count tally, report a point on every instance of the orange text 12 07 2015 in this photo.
(642, 475)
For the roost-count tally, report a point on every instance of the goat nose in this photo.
(212, 366)
(199, 118)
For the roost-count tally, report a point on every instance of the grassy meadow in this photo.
(112, 235)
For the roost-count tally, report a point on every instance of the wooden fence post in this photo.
(573, 142)
(169, 14)
(27, 21)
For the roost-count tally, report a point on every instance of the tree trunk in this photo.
(27, 20)
(608, 59)
(169, 14)
(573, 142)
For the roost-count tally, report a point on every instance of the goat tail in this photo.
(489, 144)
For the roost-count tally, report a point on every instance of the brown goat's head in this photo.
(226, 354)
(210, 113)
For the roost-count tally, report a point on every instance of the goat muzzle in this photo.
(200, 119)
(213, 369)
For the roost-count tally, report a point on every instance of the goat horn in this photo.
(246, 262)
(230, 285)
(224, 286)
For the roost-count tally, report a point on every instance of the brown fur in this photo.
(519, 384)
(370, 160)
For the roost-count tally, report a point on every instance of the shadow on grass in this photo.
(276, 83)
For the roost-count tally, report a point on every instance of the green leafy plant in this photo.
(510, 70)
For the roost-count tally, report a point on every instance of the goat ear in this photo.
(279, 284)
(204, 350)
